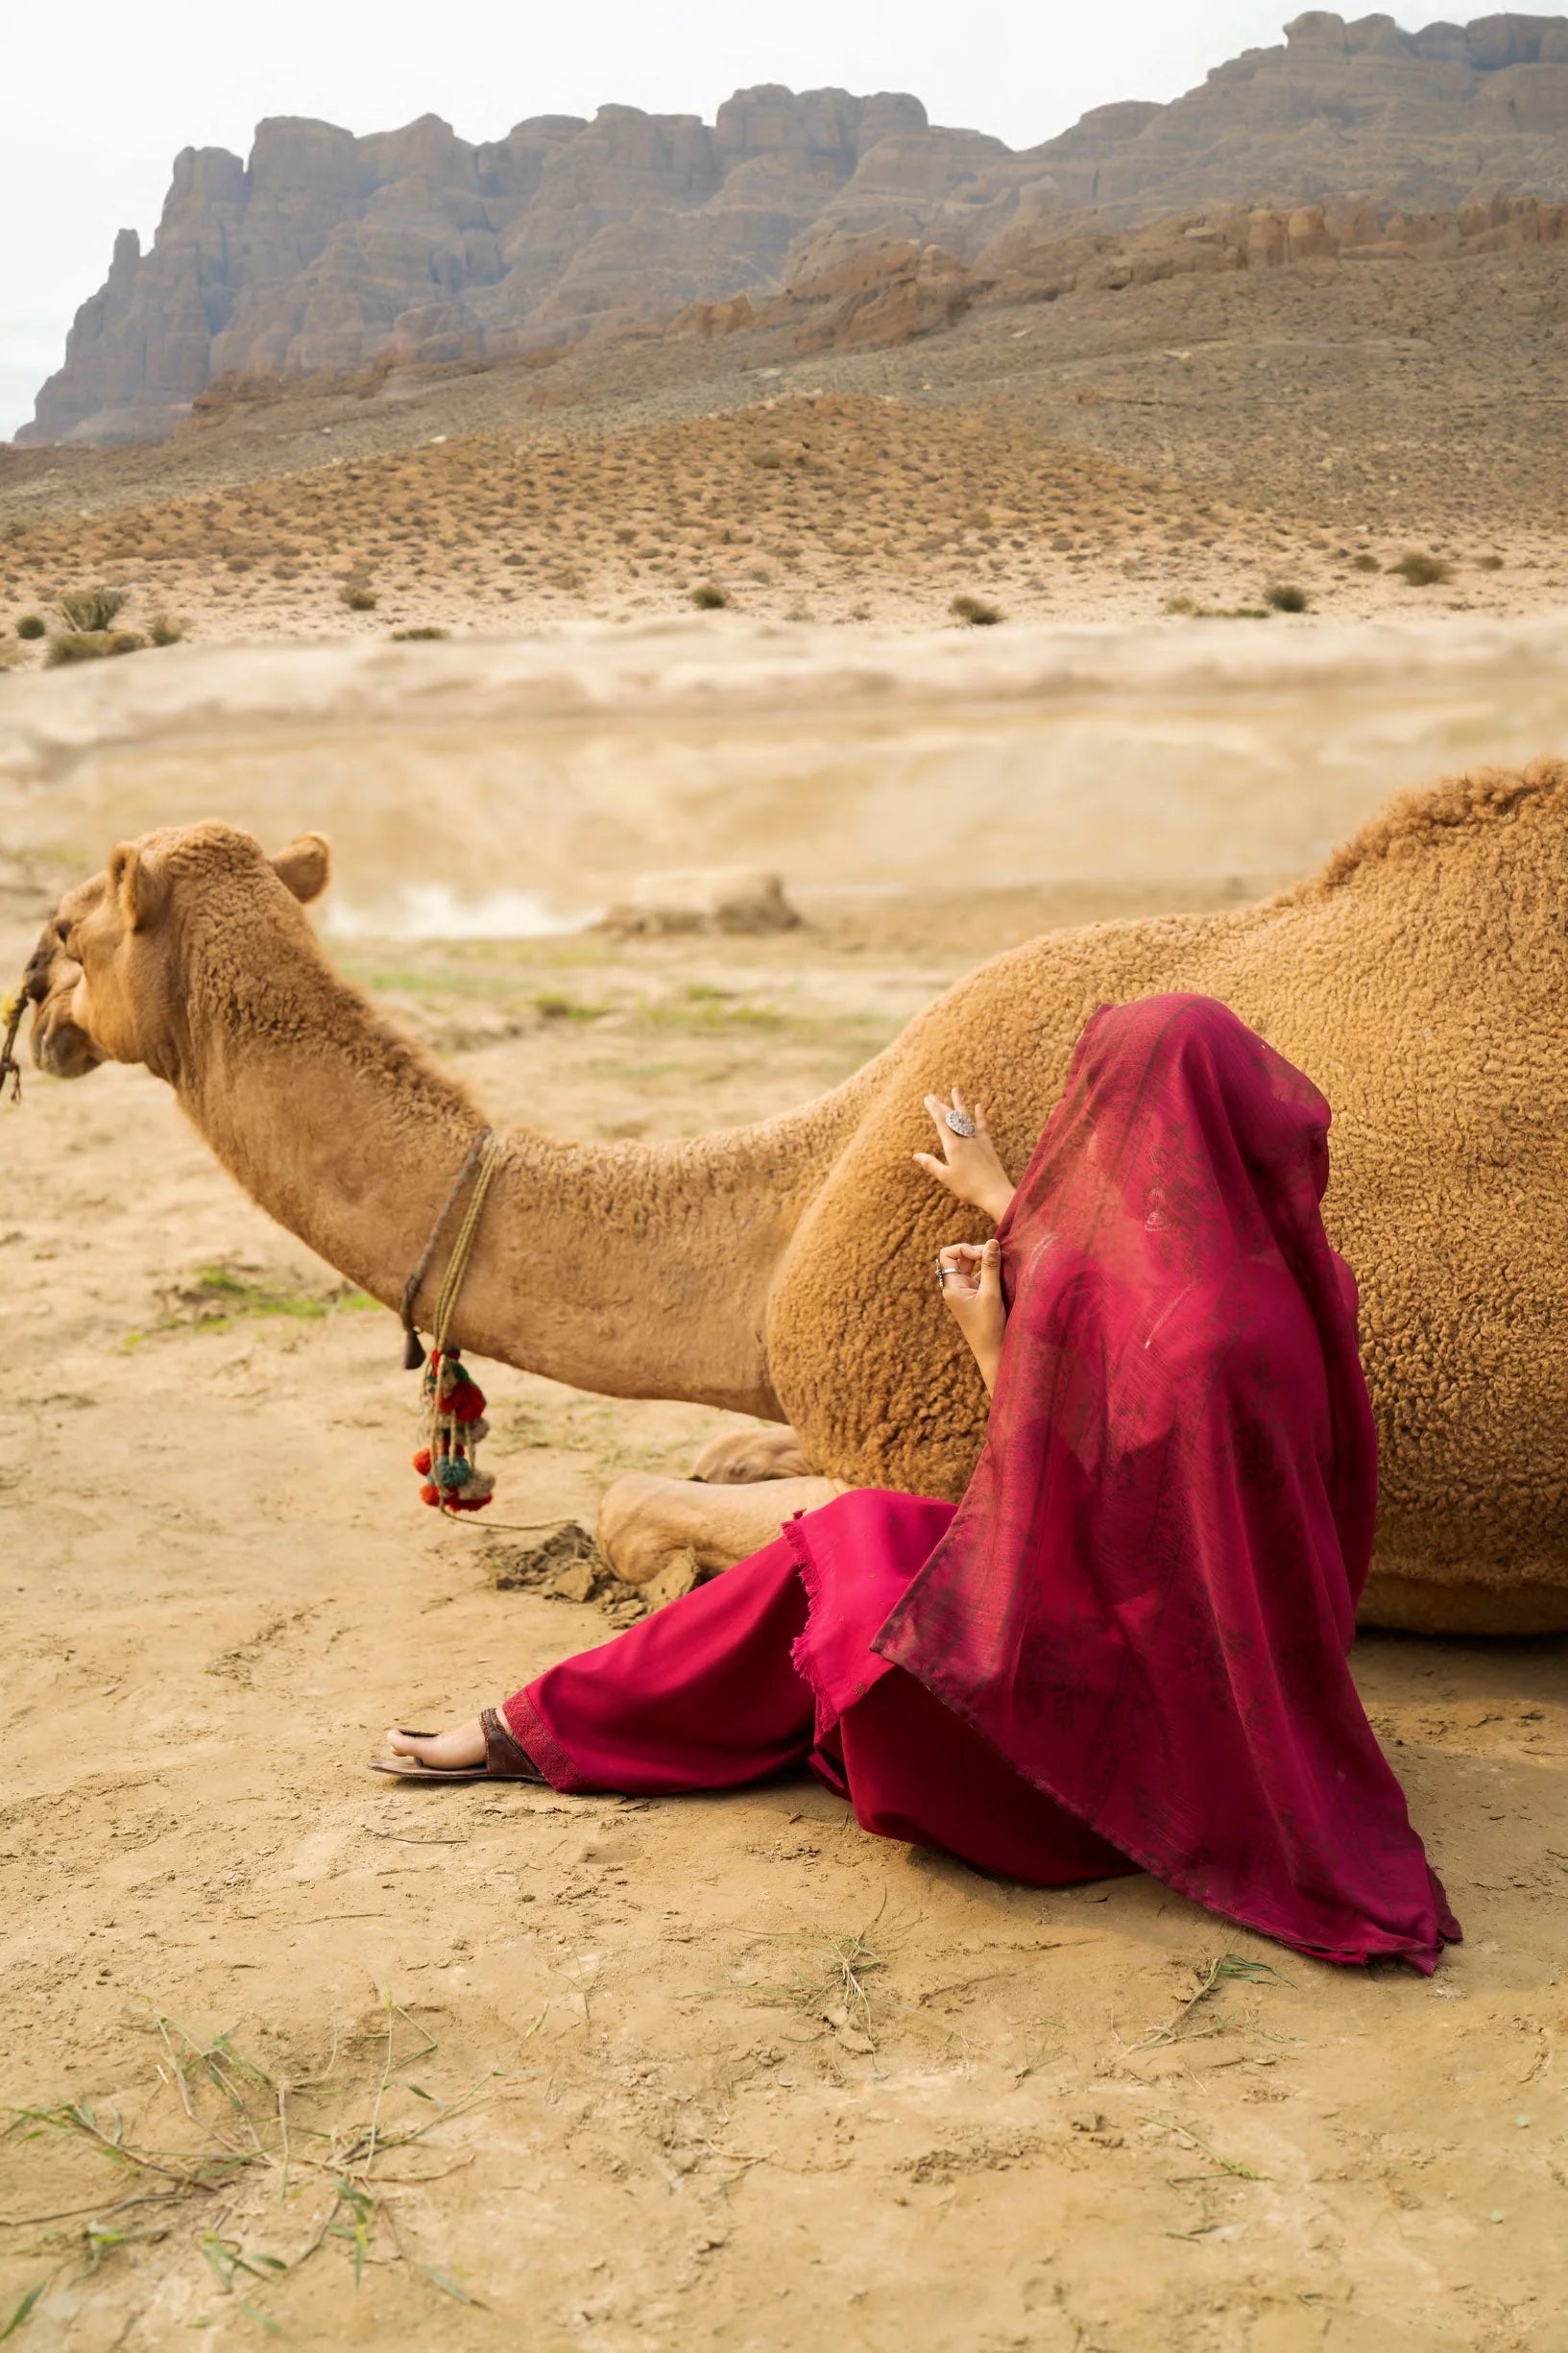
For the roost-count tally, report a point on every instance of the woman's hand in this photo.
(970, 1167)
(969, 1274)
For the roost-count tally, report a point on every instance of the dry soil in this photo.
(287, 2047)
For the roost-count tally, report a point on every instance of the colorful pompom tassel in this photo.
(454, 1424)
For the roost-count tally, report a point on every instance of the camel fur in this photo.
(784, 1269)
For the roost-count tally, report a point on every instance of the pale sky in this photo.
(97, 97)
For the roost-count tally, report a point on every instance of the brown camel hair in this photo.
(784, 1269)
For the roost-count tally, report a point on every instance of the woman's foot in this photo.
(448, 1751)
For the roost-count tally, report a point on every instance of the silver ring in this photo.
(960, 1123)
(941, 1275)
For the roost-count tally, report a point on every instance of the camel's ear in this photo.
(140, 891)
(305, 866)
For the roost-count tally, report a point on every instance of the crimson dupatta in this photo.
(1147, 1593)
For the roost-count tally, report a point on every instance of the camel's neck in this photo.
(634, 1270)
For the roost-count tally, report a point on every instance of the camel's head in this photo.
(107, 977)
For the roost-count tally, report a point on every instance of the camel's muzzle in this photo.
(60, 1047)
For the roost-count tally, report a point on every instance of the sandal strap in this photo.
(503, 1754)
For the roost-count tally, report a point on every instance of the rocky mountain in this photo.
(329, 252)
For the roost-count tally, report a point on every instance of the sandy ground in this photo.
(290, 2047)
(501, 784)
(721, 2073)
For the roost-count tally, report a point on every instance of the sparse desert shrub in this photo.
(1483, 562)
(709, 597)
(1285, 596)
(30, 625)
(164, 630)
(1189, 606)
(1364, 563)
(91, 611)
(974, 613)
(1420, 570)
(358, 595)
(426, 630)
(90, 646)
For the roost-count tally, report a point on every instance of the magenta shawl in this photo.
(1146, 1596)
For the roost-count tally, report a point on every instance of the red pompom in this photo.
(467, 1404)
(422, 1461)
(470, 1503)
(429, 1492)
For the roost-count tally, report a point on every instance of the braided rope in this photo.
(468, 1233)
(412, 1288)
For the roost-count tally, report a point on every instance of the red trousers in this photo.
(704, 1695)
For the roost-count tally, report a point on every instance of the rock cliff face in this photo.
(890, 292)
(326, 251)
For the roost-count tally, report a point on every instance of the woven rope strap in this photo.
(415, 1281)
(468, 1233)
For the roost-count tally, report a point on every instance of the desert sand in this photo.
(721, 2073)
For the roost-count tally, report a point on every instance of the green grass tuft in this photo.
(248, 2139)
(215, 1298)
(554, 1004)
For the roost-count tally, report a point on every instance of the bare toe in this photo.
(448, 1751)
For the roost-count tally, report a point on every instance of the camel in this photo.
(784, 1269)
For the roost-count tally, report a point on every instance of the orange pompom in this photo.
(422, 1461)
(429, 1492)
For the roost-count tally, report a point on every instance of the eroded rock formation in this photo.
(886, 294)
(329, 252)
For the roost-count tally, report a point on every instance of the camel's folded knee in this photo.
(740, 1457)
(648, 1523)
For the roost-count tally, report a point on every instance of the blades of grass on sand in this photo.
(1226, 2165)
(190, 2175)
(1226, 1968)
(23, 2309)
(835, 1988)
(362, 2211)
(203, 2070)
(448, 2286)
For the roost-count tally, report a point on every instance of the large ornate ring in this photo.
(960, 1123)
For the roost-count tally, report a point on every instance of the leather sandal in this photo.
(506, 1759)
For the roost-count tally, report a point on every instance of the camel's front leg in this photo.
(647, 1523)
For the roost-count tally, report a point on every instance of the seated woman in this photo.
(1125, 1649)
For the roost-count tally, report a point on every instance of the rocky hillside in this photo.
(326, 253)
